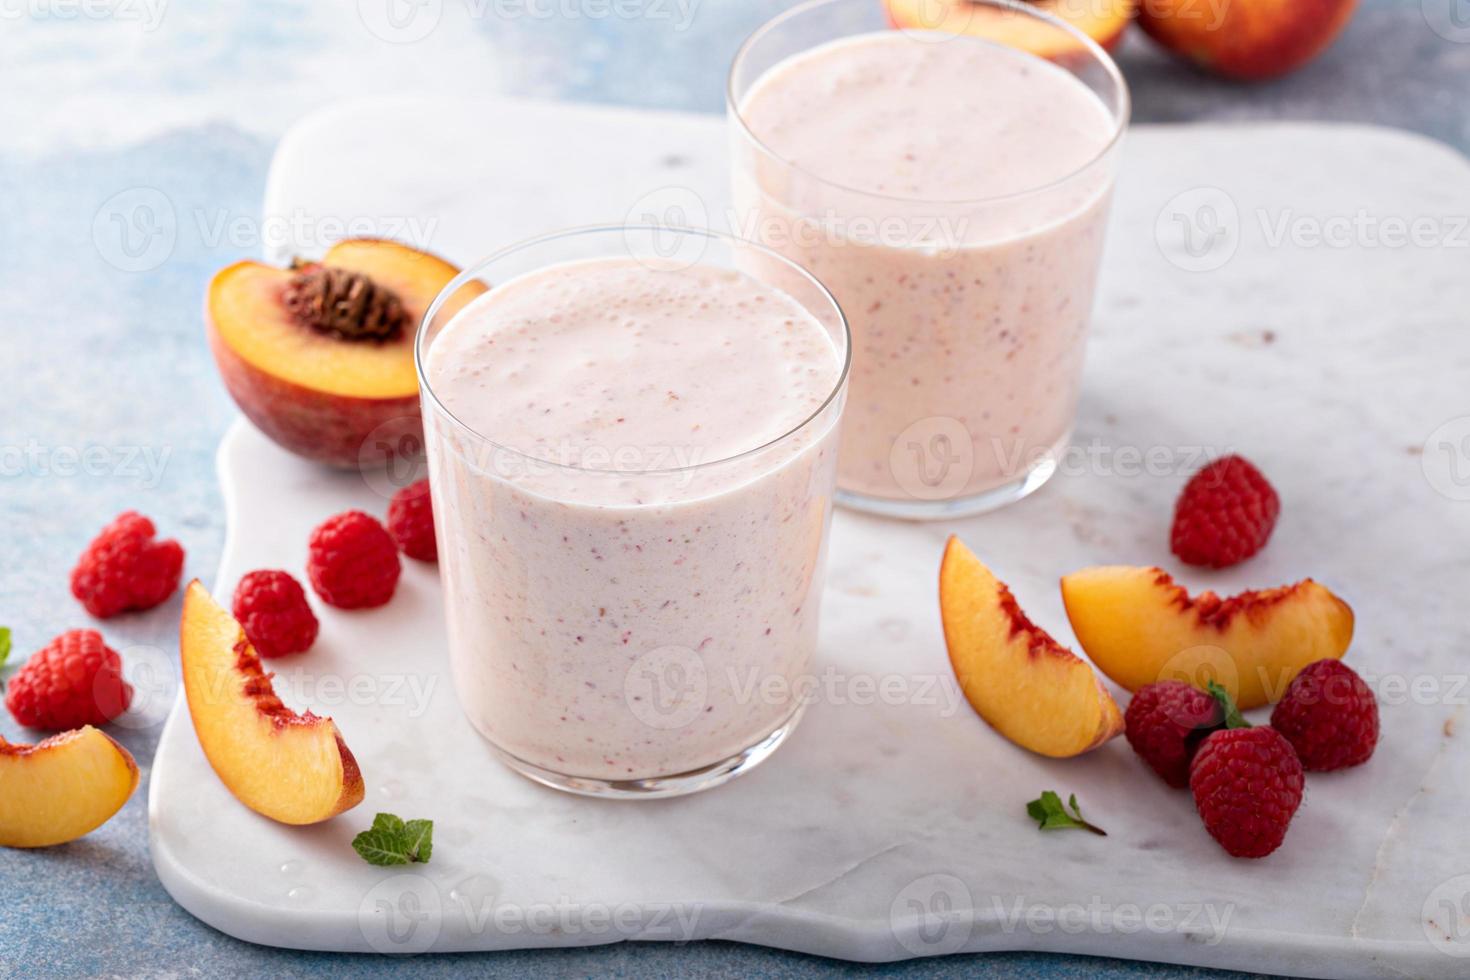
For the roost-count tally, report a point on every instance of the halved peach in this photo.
(1029, 688)
(289, 767)
(1102, 20)
(1139, 626)
(62, 788)
(309, 381)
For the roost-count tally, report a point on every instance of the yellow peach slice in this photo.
(1027, 686)
(289, 767)
(59, 789)
(1102, 20)
(1139, 626)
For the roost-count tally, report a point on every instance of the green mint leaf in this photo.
(1044, 807)
(381, 847)
(391, 840)
(389, 824)
(4, 644)
(1233, 717)
(1048, 812)
(420, 839)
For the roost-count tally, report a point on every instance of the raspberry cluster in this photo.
(1248, 781)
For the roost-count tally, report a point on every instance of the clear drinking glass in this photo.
(615, 621)
(969, 317)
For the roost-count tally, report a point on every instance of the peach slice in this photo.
(289, 767)
(1029, 688)
(62, 788)
(1139, 627)
(1102, 20)
(342, 401)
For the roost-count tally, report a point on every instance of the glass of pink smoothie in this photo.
(952, 191)
(632, 448)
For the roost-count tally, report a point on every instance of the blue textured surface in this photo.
(110, 400)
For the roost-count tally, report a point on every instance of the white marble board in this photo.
(1341, 370)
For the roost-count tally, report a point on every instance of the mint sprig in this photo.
(1051, 815)
(1233, 717)
(392, 840)
(4, 644)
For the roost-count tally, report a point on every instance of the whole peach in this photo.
(1246, 39)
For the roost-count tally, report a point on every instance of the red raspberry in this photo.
(124, 568)
(272, 609)
(411, 522)
(1329, 716)
(1224, 515)
(76, 680)
(1247, 785)
(1166, 723)
(353, 563)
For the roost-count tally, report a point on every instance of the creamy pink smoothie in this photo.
(942, 190)
(613, 588)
